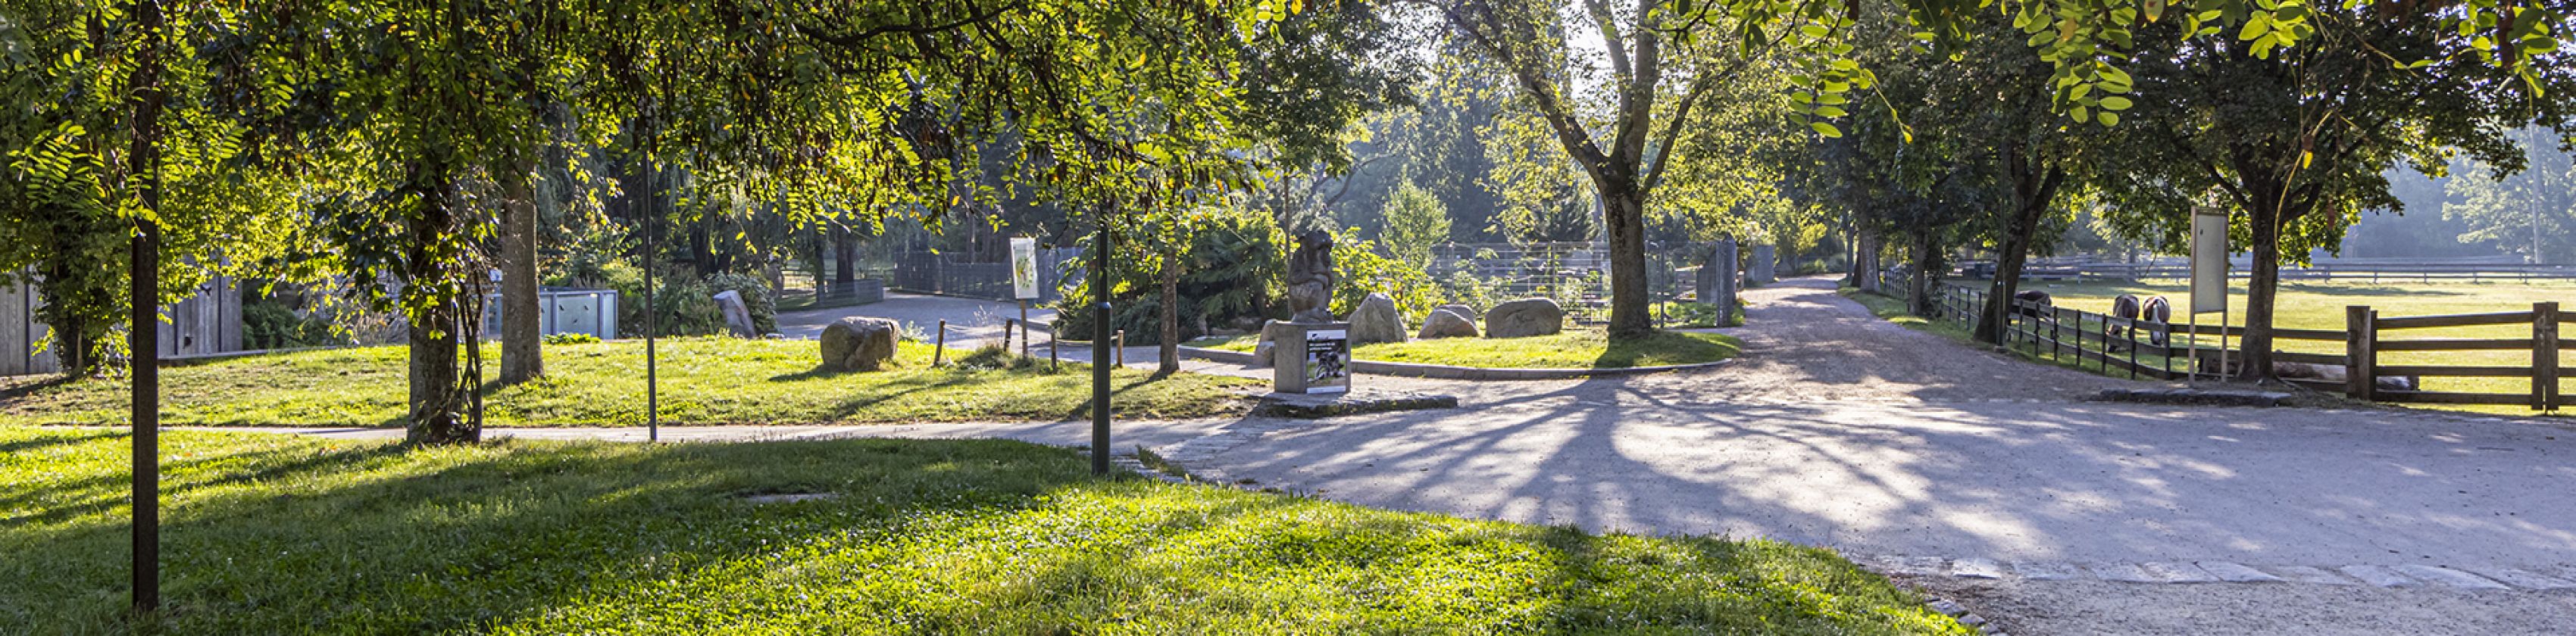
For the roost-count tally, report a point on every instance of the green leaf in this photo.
(2115, 103)
(1828, 130)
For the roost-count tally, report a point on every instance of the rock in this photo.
(1524, 318)
(1376, 320)
(1262, 349)
(859, 343)
(737, 314)
(1445, 323)
(1462, 310)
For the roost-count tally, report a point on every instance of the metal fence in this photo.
(1576, 275)
(958, 275)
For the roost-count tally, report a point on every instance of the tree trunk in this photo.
(1865, 263)
(845, 256)
(522, 318)
(1171, 340)
(1623, 216)
(2030, 198)
(435, 400)
(2257, 344)
(1918, 300)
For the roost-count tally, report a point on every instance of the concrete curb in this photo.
(1450, 372)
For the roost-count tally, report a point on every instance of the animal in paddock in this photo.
(2124, 308)
(2033, 297)
(2318, 372)
(2159, 312)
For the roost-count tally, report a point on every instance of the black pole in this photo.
(652, 380)
(1100, 354)
(145, 337)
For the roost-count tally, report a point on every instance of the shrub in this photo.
(686, 307)
(1365, 270)
(755, 294)
(1230, 276)
(570, 338)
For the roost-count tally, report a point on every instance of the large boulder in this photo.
(1462, 310)
(1376, 320)
(1447, 323)
(1524, 318)
(859, 343)
(1267, 346)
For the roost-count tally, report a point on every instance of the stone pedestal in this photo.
(1764, 269)
(1311, 357)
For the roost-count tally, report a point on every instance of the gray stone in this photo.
(2527, 579)
(2309, 575)
(859, 343)
(1764, 267)
(1263, 349)
(1376, 320)
(1524, 318)
(1977, 569)
(2379, 576)
(2123, 572)
(2237, 572)
(1462, 310)
(737, 314)
(2450, 578)
(2177, 572)
(1444, 323)
(2047, 570)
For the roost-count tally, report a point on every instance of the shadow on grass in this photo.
(17, 390)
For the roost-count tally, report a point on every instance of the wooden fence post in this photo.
(2544, 356)
(2360, 352)
(939, 352)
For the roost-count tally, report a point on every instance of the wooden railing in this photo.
(2118, 346)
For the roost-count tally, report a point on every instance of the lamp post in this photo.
(1100, 354)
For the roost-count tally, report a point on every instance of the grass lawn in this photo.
(2320, 305)
(271, 534)
(1572, 349)
(703, 381)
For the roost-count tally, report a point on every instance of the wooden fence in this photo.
(2166, 351)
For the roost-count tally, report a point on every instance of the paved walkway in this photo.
(1982, 477)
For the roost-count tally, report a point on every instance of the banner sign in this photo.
(2208, 260)
(1024, 268)
(1328, 354)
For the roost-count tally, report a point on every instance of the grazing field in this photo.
(703, 381)
(2320, 305)
(1571, 349)
(275, 534)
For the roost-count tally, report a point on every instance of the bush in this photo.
(755, 294)
(686, 307)
(267, 324)
(570, 338)
(1364, 269)
(1231, 276)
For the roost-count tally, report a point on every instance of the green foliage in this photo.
(755, 294)
(683, 305)
(1229, 279)
(570, 338)
(715, 380)
(1363, 270)
(268, 324)
(2531, 212)
(966, 536)
(1415, 221)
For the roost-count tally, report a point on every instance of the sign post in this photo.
(2209, 280)
(1312, 357)
(1024, 285)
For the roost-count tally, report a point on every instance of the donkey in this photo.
(2034, 297)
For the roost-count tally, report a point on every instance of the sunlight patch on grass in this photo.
(279, 534)
(702, 381)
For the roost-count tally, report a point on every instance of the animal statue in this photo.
(2157, 311)
(1310, 278)
(2034, 297)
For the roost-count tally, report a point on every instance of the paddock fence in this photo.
(2349, 361)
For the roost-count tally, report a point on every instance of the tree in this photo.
(2300, 140)
(2530, 212)
(1526, 39)
(1415, 221)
